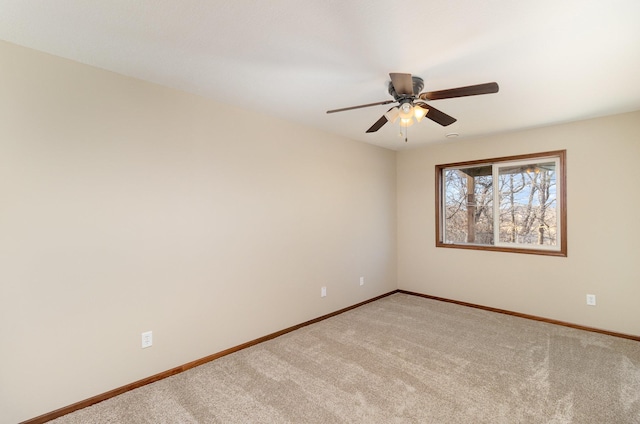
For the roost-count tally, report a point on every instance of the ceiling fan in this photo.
(405, 90)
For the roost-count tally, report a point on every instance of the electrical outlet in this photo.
(591, 299)
(147, 339)
(362, 281)
(323, 292)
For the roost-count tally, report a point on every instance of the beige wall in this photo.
(128, 207)
(603, 229)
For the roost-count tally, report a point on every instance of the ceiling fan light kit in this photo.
(405, 90)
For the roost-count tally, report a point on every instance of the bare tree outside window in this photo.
(528, 204)
(469, 206)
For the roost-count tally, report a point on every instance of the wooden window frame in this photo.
(561, 181)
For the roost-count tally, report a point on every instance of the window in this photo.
(510, 204)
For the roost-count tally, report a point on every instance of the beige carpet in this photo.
(401, 359)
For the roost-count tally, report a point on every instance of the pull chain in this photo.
(406, 133)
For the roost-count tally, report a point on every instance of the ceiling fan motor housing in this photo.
(418, 85)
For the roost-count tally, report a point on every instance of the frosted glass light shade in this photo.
(420, 113)
(404, 122)
(392, 115)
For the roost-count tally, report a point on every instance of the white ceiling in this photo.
(555, 60)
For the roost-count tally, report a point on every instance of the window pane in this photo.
(468, 205)
(528, 206)
(506, 204)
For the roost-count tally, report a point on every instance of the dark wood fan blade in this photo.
(403, 83)
(436, 115)
(386, 102)
(471, 90)
(379, 123)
